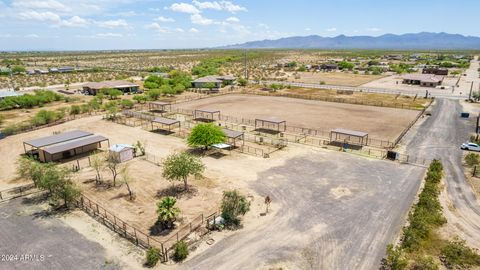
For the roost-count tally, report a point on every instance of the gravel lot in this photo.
(29, 229)
(332, 211)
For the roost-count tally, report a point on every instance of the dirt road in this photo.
(332, 211)
(440, 137)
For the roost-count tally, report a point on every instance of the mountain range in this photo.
(423, 40)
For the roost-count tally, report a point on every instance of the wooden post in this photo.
(135, 233)
(474, 170)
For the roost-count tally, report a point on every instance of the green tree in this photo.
(154, 94)
(113, 165)
(18, 69)
(179, 166)
(97, 161)
(57, 180)
(30, 169)
(126, 179)
(206, 135)
(346, 65)
(140, 98)
(112, 109)
(233, 206)
(167, 212)
(179, 88)
(242, 82)
(111, 92)
(167, 90)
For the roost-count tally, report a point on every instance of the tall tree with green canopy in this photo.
(179, 166)
(206, 135)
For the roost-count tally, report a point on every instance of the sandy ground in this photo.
(379, 122)
(333, 78)
(331, 211)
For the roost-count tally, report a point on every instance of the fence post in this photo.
(473, 174)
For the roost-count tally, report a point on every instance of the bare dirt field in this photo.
(379, 122)
(334, 78)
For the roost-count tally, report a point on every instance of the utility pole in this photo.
(471, 89)
(245, 65)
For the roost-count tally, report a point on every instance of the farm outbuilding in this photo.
(64, 145)
(122, 152)
(233, 136)
(217, 81)
(92, 88)
(429, 80)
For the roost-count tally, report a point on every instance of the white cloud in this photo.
(113, 23)
(39, 16)
(373, 29)
(164, 19)
(36, 4)
(127, 14)
(157, 27)
(184, 8)
(74, 21)
(233, 19)
(207, 5)
(6, 35)
(107, 35)
(31, 36)
(49, 16)
(264, 26)
(308, 29)
(229, 6)
(199, 19)
(221, 5)
(332, 29)
(180, 30)
(193, 30)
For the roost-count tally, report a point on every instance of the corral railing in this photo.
(135, 235)
(339, 100)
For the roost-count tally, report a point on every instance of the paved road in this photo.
(440, 137)
(333, 211)
(25, 229)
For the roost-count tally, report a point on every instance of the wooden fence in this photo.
(132, 233)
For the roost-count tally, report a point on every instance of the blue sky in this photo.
(165, 24)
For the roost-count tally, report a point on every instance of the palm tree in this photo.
(167, 212)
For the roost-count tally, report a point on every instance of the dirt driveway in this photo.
(331, 211)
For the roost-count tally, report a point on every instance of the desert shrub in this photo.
(424, 263)
(39, 98)
(43, 117)
(126, 103)
(472, 159)
(233, 206)
(2, 119)
(140, 98)
(181, 251)
(456, 255)
(394, 260)
(167, 90)
(75, 109)
(10, 129)
(152, 256)
(179, 88)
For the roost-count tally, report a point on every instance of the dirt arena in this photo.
(379, 122)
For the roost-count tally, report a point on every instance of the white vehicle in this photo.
(470, 146)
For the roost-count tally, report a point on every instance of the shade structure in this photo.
(162, 121)
(206, 114)
(234, 135)
(159, 106)
(349, 136)
(270, 123)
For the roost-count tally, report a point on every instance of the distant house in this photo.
(435, 70)
(126, 87)
(122, 152)
(428, 80)
(394, 57)
(66, 69)
(218, 81)
(328, 67)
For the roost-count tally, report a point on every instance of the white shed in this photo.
(122, 152)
